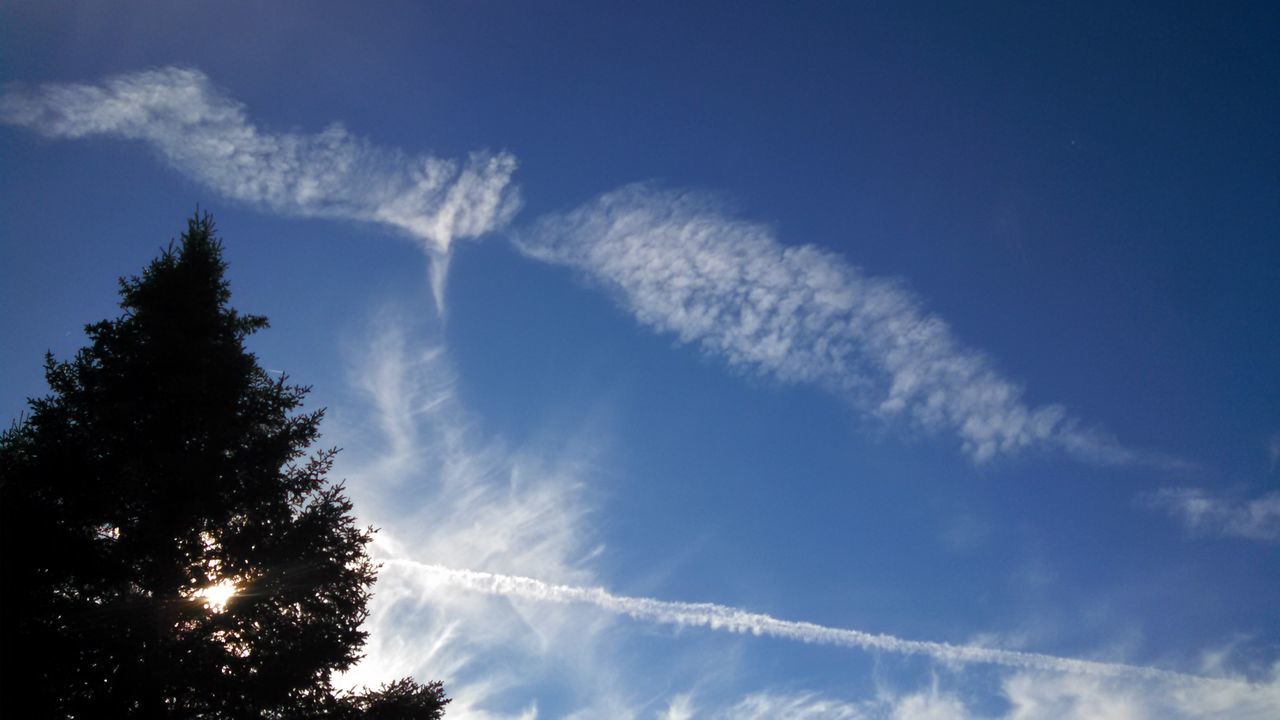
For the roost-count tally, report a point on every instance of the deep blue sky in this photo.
(1088, 197)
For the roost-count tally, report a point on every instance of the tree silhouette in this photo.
(168, 547)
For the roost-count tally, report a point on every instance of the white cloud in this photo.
(791, 706)
(208, 136)
(801, 314)
(924, 705)
(1031, 696)
(929, 706)
(1202, 512)
(1066, 697)
(680, 707)
(1070, 698)
(421, 471)
(430, 579)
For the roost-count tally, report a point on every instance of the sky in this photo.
(724, 360)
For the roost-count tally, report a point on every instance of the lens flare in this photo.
(216, 597)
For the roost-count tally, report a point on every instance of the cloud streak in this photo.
(1201, 512)
(206, 135)
(734, 620)
(1028, 695)
(802, 314)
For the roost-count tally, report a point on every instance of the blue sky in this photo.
(952, 324)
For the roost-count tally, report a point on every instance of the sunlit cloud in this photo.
(1202, 512)
(201, 132)
(439, 489)
(802, 314)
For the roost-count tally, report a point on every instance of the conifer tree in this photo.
(170, 545)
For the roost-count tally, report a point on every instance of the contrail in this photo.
(736, 620)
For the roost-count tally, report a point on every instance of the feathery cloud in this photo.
(206, 135)
(1034, 696)
(791, 706)
(1201, 512)
(1031, 696)
(802, 314)
(421, 471)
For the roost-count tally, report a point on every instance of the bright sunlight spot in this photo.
(216, 596)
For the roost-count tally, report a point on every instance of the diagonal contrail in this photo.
(736, 620)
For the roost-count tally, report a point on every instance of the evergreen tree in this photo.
(168, 547)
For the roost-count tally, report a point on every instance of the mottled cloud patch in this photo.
(802, 314)
(1202, 512)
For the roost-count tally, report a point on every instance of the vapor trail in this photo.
(736, 620)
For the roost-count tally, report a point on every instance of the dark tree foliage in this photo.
(167, 462)
(402, 700)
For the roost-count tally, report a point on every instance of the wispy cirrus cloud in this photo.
(1026, 696)
(1036, 696)
(201, 132)
(792, 706)
(928, 704)
(423, 472)
(1202, 512)
(802, 314)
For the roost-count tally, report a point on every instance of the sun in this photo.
(217, 596)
